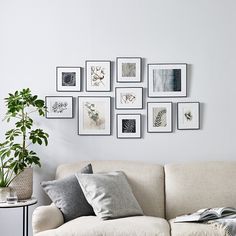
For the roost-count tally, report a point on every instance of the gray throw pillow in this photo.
(68, 196)
(109, 194)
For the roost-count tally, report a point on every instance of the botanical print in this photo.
(94, 115)
(128, 69)
(68, 78)
(59, 107)
(127, 98)
(166, 80)
(97, 76)
(128, 126)
(159, 117)
(188, 116)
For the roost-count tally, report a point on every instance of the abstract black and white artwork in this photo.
(159, 116)
(129, 69)
(188, 115)
(68, 79)
(98, 76)
(128, 125)
(59, 107)
(167, 80)
(129, 97)
(94, 115)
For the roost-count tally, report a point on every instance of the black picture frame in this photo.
(61, 116)
(129, 60)
(120, 107)
(108, 88)
(69, 69)
(198, 126)
(129, 135)
(170, 130)
(167, 94)
(80, 113)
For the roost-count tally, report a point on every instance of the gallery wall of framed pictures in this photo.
(95, 112)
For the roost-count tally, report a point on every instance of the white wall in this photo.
(37, 36)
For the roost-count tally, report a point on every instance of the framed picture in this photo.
(188, 115)
(128, 69)
(167, 80)
(128, 125)
(94, 115)
(98, 76)
(159, 116)
(68, 79)
(129, 98)
(59, 107)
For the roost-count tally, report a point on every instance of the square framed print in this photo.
(68, 79)
(98, 76)
(129, 98)
(128, 125)
(159, 117)
(128, 69)
(188, 115)
(59, 107)
(167, 80)
(94, 115)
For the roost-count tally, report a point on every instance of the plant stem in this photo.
(24, 132)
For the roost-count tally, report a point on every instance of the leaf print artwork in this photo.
(59, 107)
(93, 116)
(127, 98)
(188, 115)
(159, 117)
(97, 76)
(128, 126)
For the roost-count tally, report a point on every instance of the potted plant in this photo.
(15, 153)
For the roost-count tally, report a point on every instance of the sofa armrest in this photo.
(45, 218)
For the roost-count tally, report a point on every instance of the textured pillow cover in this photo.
(109, 194)
(68, 196)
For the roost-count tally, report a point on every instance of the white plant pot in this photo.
(4, 192)
(23, 184)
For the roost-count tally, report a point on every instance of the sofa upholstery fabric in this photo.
(46, 217)
(146, 181)
(109, 194)
(129, 226)
(196, 185)
(195, 229)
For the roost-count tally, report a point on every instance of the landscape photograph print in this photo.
(167, 80)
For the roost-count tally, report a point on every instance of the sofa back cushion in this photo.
(146, 181)
(192, 186)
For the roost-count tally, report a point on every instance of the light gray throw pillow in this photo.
(109, 194)
(68, 196)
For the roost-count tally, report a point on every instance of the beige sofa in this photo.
(163, 192)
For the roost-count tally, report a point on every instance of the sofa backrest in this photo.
(146, 181)
(193, 186)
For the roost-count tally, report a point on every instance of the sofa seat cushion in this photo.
(195, 229)
(128, 226)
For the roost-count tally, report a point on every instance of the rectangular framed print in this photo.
(188, 115)
(128, 69)
(129, 98)
(167, 80)
(68, 79)
(128, 125)
(59, 107)
(159, 117)
(98, 76)
(94, 115)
